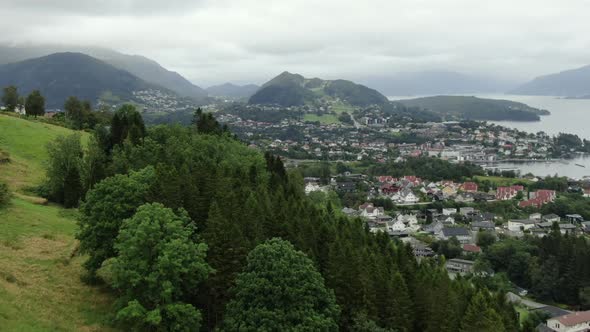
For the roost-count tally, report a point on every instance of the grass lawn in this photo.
(341, 107)
(325, 119)
(502, 181)
(523, 313)
(40, 286)
(26, 141)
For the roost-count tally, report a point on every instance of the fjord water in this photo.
(567, 116)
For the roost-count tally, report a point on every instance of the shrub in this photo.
(4, 194)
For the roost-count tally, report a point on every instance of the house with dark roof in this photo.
(460, 266)
(477, 226)
(551, 218)
(462, 234)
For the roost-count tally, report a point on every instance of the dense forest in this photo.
(193, 230)
(554, 267)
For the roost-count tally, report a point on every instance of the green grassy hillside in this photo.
(25, 141)
(40, 286)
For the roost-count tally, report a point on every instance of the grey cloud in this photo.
(211, 41)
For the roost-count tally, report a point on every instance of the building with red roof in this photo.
(469, 187)
(572, 322)
(506, 193)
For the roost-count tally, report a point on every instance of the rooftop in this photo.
(574, 318)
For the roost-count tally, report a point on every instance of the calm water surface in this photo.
(567, 115)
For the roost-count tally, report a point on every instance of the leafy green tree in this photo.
(280, 290)
(485, 239)
(35, 104)
(63, 172)
(74, 112)
(157, 268)
(10, 98)
(94, 163)
(107, 205)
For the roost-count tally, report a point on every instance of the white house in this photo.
(311, 187)
(408, 219)
(516, 225)
(408, 197)
(397, 226)
(573, 322)
(449, 211)
(367, 210)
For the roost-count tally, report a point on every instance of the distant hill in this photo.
(61, 75)
(434, 83)
(569, 83)
(472, 108)
(293, 89)
(142, 67)
(232, 91)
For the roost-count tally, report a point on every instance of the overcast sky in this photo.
(213, 41)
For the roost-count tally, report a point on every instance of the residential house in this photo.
(469, 187)
(445, 219)
(311, 187)
(574, 218)
(572, 322)
(466, 210)
(471, 248)
(407, 196)
(449, 191)
(350, 212)
(461, 266)
(516, 225)
(551, 218)
(346, 187)
(535, 216)
(506, 193)
(465, 197)
(585, 226)
(539, 198)
(477, 226)
(462, 234)
(368, 210)
(397, 226)
(434, 228)
(449, 211)
(567, 229)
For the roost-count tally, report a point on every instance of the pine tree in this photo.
(481, 317)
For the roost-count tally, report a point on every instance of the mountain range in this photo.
(145, 69)
(295, 90)
(232, 91)
(569, 83)
(434, 83)
(61, 75)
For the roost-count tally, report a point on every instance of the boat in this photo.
(580, 165)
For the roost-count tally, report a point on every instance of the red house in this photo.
(469, 187)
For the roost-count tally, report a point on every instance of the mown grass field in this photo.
(26, 141)
(325, 119)
(40, 286)
(501, 181)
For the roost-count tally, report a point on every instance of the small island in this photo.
(473, 108)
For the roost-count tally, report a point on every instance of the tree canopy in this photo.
(157, 268)
(35, 104)
(280, 290)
